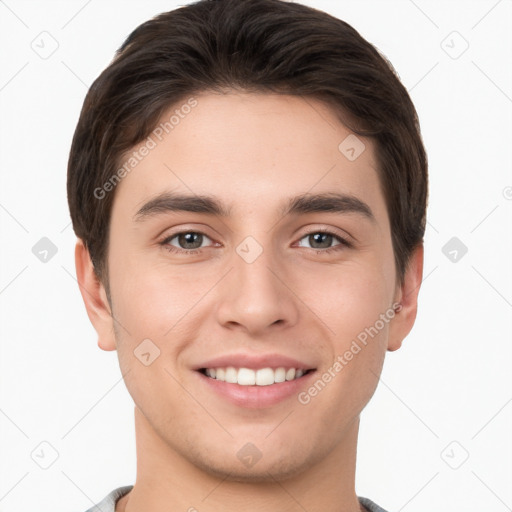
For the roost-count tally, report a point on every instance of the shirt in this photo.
(108, 504)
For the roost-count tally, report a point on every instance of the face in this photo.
(276, 256)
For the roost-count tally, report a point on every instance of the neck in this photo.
(167, 481)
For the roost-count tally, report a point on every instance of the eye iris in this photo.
(193, 240)
(320, 238)
(190, 240)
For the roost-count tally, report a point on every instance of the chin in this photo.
(265, 473)
(282, 466)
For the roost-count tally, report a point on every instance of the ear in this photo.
(95, 298)
(407, 297)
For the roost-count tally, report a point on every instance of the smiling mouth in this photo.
(250, 377)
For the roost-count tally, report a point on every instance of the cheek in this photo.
(355, 304)
(358, 347)
(153, 312)
(361, 335)
(347, 298)
(363, 305)
(152, 300)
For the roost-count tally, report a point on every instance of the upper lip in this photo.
(254, 362)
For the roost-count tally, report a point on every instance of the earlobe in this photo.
(94, 297)
(407, 297)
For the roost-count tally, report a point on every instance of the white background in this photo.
(449, 383)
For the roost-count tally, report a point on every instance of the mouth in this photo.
(255, 388)
(250, 380)
(255, 377)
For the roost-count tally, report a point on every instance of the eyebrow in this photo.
(306, 203)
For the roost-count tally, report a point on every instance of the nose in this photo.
(257, 296)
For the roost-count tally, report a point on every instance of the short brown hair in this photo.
(256, 46)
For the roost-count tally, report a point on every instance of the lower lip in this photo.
(257, 396)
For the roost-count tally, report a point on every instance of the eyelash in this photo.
(343, 243)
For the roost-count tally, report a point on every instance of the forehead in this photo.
(247, 148)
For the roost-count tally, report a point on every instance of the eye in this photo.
(323, 240)
(193, 241)
(185, 241)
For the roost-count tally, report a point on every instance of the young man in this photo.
(248, 185)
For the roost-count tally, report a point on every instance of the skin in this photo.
(251, 151)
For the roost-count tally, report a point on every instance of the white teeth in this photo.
(246, 377)
(231, 375)
(249, 377)
(280, 375)
(264, 377)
